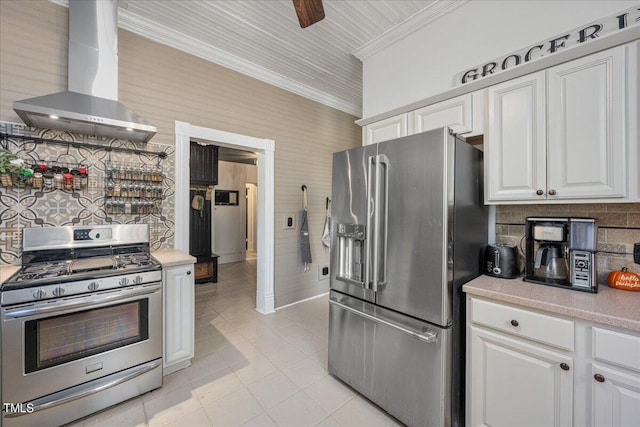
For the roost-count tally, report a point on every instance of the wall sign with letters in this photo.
(611, 24)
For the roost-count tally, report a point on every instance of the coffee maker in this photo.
(561, 252)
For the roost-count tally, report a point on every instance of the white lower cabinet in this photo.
(531, 368)
(615, 397)
(515, 383)
(178, 317)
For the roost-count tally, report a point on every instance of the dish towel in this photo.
(305, 245)
(326, 232)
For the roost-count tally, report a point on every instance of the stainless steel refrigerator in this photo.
(408, 230)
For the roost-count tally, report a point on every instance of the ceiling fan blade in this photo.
(309, 11)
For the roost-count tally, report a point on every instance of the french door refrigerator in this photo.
(409, 227)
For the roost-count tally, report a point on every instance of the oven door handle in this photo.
(81, 302)
(86, 389)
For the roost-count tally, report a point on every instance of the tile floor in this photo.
(250, 369)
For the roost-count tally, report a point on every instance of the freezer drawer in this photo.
(399, 363)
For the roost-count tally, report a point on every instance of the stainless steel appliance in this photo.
(90, 105)
(561, 252)
(501, 260)
(409, 230)
(81, 323)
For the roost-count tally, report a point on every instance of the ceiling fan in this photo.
(309, 11)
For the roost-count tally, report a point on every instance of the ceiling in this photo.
(263, 39)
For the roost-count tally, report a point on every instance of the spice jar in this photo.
(67, 181)
(37, 180)
(116, 190)
(75, 173)
(84, 177)
(47, 176)
(58, 179)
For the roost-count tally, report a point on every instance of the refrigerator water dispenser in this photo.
(351, 254)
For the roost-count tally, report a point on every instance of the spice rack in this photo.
(47, 175)
(133, 189)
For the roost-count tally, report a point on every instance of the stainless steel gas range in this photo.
(81, 323)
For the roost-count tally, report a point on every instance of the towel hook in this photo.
(304, 187)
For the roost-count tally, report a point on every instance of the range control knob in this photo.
(123, 282)
(58, 292)
(39, 294)
(93, 286)
(137, 280)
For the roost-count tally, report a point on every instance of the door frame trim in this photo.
(265, 148)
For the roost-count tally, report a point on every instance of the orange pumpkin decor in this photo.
(624, 279)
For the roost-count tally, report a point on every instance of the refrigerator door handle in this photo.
(368, 234)
(381, 221)
(428, 337)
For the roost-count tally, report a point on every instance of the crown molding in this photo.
(158, 33)
(418, 20)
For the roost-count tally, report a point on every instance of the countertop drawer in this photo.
(524, 323)
(617, 348)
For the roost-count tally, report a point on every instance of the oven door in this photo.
(51, 345)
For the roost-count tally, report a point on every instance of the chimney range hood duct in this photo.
(90, 105)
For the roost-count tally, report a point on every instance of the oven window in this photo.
(57, 340)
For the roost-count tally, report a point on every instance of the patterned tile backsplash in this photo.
(618, 229)
(22, 207)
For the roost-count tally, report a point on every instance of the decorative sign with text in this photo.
(611, 24)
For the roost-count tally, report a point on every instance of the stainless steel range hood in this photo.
(90, 105)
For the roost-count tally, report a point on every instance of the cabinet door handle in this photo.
(564, 367)
(514, 322)
(188, 273)
(552, 192)
(539, 192)
(599, 378)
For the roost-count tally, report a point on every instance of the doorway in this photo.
(252, 220)
(264, 148)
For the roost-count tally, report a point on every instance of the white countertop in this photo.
(7, 271)
(609, 306)
(173, 257)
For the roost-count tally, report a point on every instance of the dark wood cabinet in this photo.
(203, 164)
(199, 227)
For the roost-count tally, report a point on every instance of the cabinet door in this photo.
(615, 399)
(515, 145)
(455, 113)
(384, 130)
(203, 164)
(514, 383)
(178, 309)
(587, 139)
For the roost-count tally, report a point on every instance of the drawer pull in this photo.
(188, 273)
(599, 378)
(539, 192)
(564, 367)
(514, 323)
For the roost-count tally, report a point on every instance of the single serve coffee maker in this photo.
(561, 252)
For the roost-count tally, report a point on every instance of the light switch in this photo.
(289, 222)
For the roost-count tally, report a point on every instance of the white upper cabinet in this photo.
(457, 113)
(515, 145)
(587, 138)
(464, 114)
(384, 130)
(565, 134)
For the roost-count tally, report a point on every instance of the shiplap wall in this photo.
(164, 85)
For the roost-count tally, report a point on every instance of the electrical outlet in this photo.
(323, 272)
(289, 222)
